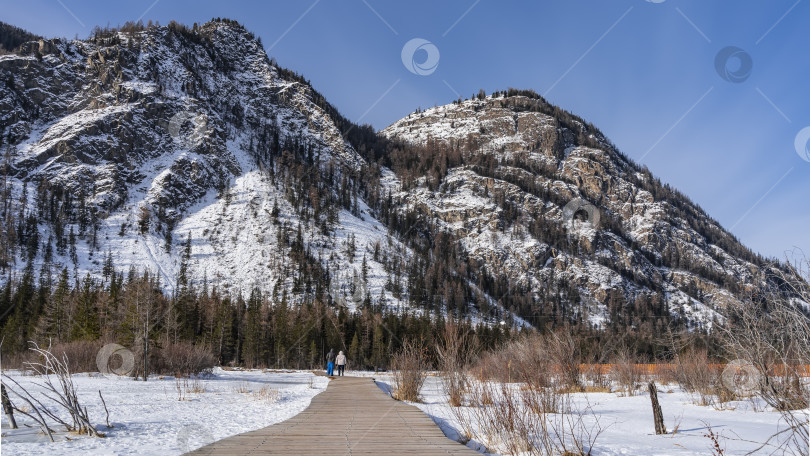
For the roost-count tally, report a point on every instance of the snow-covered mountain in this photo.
(191, 153)
(142, 140)
(542, 200)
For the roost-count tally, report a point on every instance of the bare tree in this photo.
(771, 334)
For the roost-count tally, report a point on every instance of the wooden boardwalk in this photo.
(352, 417)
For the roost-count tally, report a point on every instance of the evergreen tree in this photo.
(378, 348)
(85, 320)
(53, 324)
(252, 333)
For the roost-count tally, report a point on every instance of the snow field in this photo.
(168, 416)
(626, 422)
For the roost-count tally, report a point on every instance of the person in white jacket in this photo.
(341, 363)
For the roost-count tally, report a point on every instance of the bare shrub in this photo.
(16, 361)
(565, 353)
(491, 365)
(528, 362)
(513, 423)
(666, 374)
(181, 386)
(626, 372)
(545, 399)
(410, 370)
(537, 360)
(58, 393)
(697, 376)
(455, 350)
(714, 438)
(183, 359)
(597, 377)
(80, 355)
(521, 403)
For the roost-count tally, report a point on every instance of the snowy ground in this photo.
(149, 418)
(627, 424)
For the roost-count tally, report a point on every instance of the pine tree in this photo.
(182, 279)
(17, 325)
(53, 325)
(109, 267)
(85, 321)
(74, 257)
(252, 333)
(378, 348)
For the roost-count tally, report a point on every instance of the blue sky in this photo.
(644, 72)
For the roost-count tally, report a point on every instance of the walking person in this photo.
(341, 363)
(330, 362)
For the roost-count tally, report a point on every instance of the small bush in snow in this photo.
(410, 370)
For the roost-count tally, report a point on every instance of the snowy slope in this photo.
(162, 123)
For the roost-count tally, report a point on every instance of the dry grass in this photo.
(266, 394)
(597, 389)
(197, 386)
(185, 385)
(526, 420)
(241, 388)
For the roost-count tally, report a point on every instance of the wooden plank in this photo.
(352, 416)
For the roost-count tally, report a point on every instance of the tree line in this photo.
(252, 330)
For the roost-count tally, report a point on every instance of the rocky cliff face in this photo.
(189, 152)
(544, 201)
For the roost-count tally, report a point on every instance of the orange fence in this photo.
(657, 369)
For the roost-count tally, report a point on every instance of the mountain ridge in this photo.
(145, 143)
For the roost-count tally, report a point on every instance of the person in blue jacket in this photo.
(330, 362)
